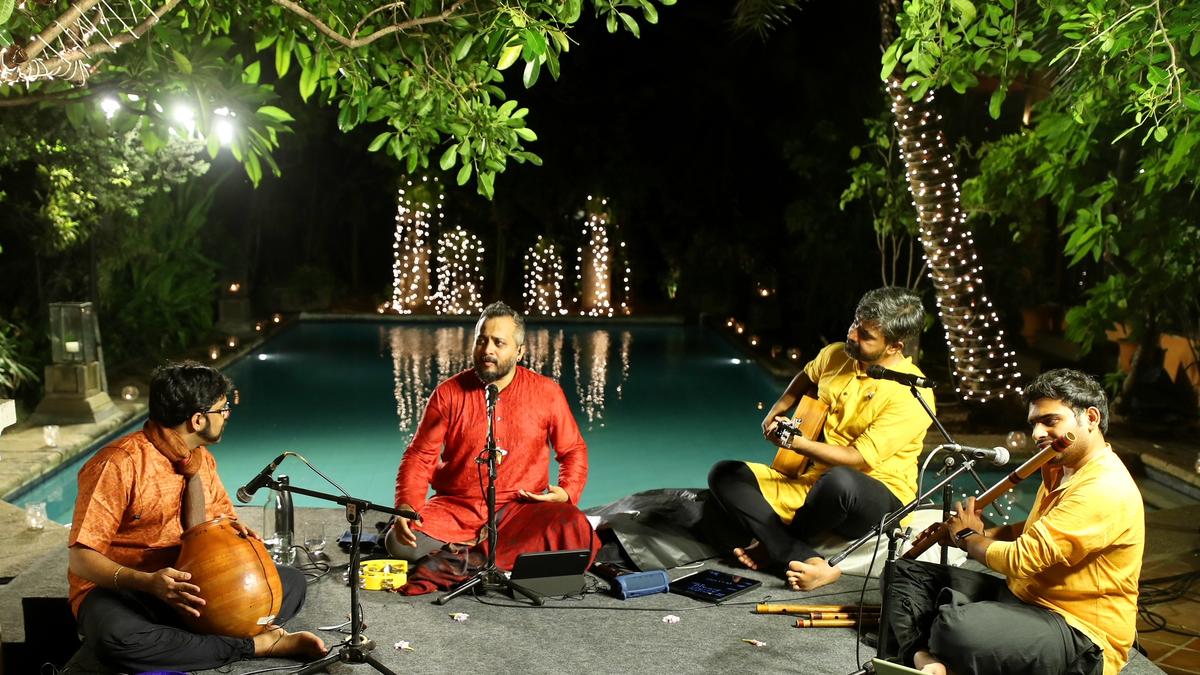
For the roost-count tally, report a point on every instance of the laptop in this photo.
(888, 668)
(551, 573)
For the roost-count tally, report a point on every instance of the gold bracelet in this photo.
(117, 572)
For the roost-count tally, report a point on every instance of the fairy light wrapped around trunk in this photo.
(418, 207)
(985, 368)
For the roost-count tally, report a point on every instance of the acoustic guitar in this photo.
(809, 419)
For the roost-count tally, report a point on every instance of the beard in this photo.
(855, 351)
(498, 370)
(209, 437)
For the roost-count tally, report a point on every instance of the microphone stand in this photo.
(889, 523)
(490, 577)
(357, 648)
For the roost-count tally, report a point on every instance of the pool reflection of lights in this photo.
(736, 362)
(262, 357)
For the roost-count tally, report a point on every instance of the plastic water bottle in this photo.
(279, 525)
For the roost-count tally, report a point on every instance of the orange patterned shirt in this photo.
(130, 507)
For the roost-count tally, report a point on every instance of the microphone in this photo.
(907, 379)
(997, 455)
(493, 394)
(246, 492)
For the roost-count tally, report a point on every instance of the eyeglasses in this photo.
(231, 399)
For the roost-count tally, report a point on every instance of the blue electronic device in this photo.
(636, 584)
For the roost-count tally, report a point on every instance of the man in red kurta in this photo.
(532, 420)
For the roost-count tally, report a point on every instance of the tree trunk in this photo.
(985, 368)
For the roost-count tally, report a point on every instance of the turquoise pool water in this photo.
(658, 405)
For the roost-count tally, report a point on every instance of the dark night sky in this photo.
(704, 140)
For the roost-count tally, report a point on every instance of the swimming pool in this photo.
(657, 404)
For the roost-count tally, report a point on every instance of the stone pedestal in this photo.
(75, 394)
(8, 413)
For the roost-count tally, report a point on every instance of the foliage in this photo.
(1111, 147)
(78, 176)
(877, 179)
(429, 72)
(14, 373)
(158, 286)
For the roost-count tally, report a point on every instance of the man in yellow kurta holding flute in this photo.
(1068, 599)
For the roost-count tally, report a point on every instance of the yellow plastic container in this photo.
(382, 575)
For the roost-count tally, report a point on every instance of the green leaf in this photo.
(1194, 49)
(283, 57)
(463, 47)
(1192, 101)
(1029, 56)
(1160, 134)
(151, 141)
(276, 114)
(6, 8)
(630, 24)
(309, 76)
(264, 42)
(449, 157)
(182, 62)
(464, 174)
(251, 73)
(649, 12)
(526, 134)
(379, 141)
(214, 146)
(965, 8)
(560, 39)
(574, 9)
(508, 57)
(487, 180)
(507, 108)
(530, 76)
(995, 102)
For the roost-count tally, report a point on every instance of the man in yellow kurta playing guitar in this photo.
(856, 462)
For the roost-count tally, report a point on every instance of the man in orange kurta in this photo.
(1068, 601)
(136, 497)
(533, 420)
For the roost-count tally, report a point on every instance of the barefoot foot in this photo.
(301, 645)
(811, 574)
(754, 556)
(928, 663)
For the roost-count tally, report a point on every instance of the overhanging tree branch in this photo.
(354, 43)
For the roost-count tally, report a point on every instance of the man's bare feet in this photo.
(753, 556)
(301, 645)
(811, 574)
(928, 663)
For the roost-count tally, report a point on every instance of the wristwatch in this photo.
(961, 536)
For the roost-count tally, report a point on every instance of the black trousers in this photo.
(843, 501)
(971, 622)
(137, 632)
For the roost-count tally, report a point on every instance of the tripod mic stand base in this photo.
(489, 579)
(359, 652)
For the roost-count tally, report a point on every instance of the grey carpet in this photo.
(592, 634)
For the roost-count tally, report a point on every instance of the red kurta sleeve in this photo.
(569, 448)
(421, 457)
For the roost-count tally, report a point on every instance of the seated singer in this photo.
(1067, 603)
(532, 419)
(136, 498)
(865, 468)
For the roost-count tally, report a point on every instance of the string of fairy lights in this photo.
(456, 285)
(417, 208)
(595, 262)
(544, 279)
(459, 273)
(984, 367)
